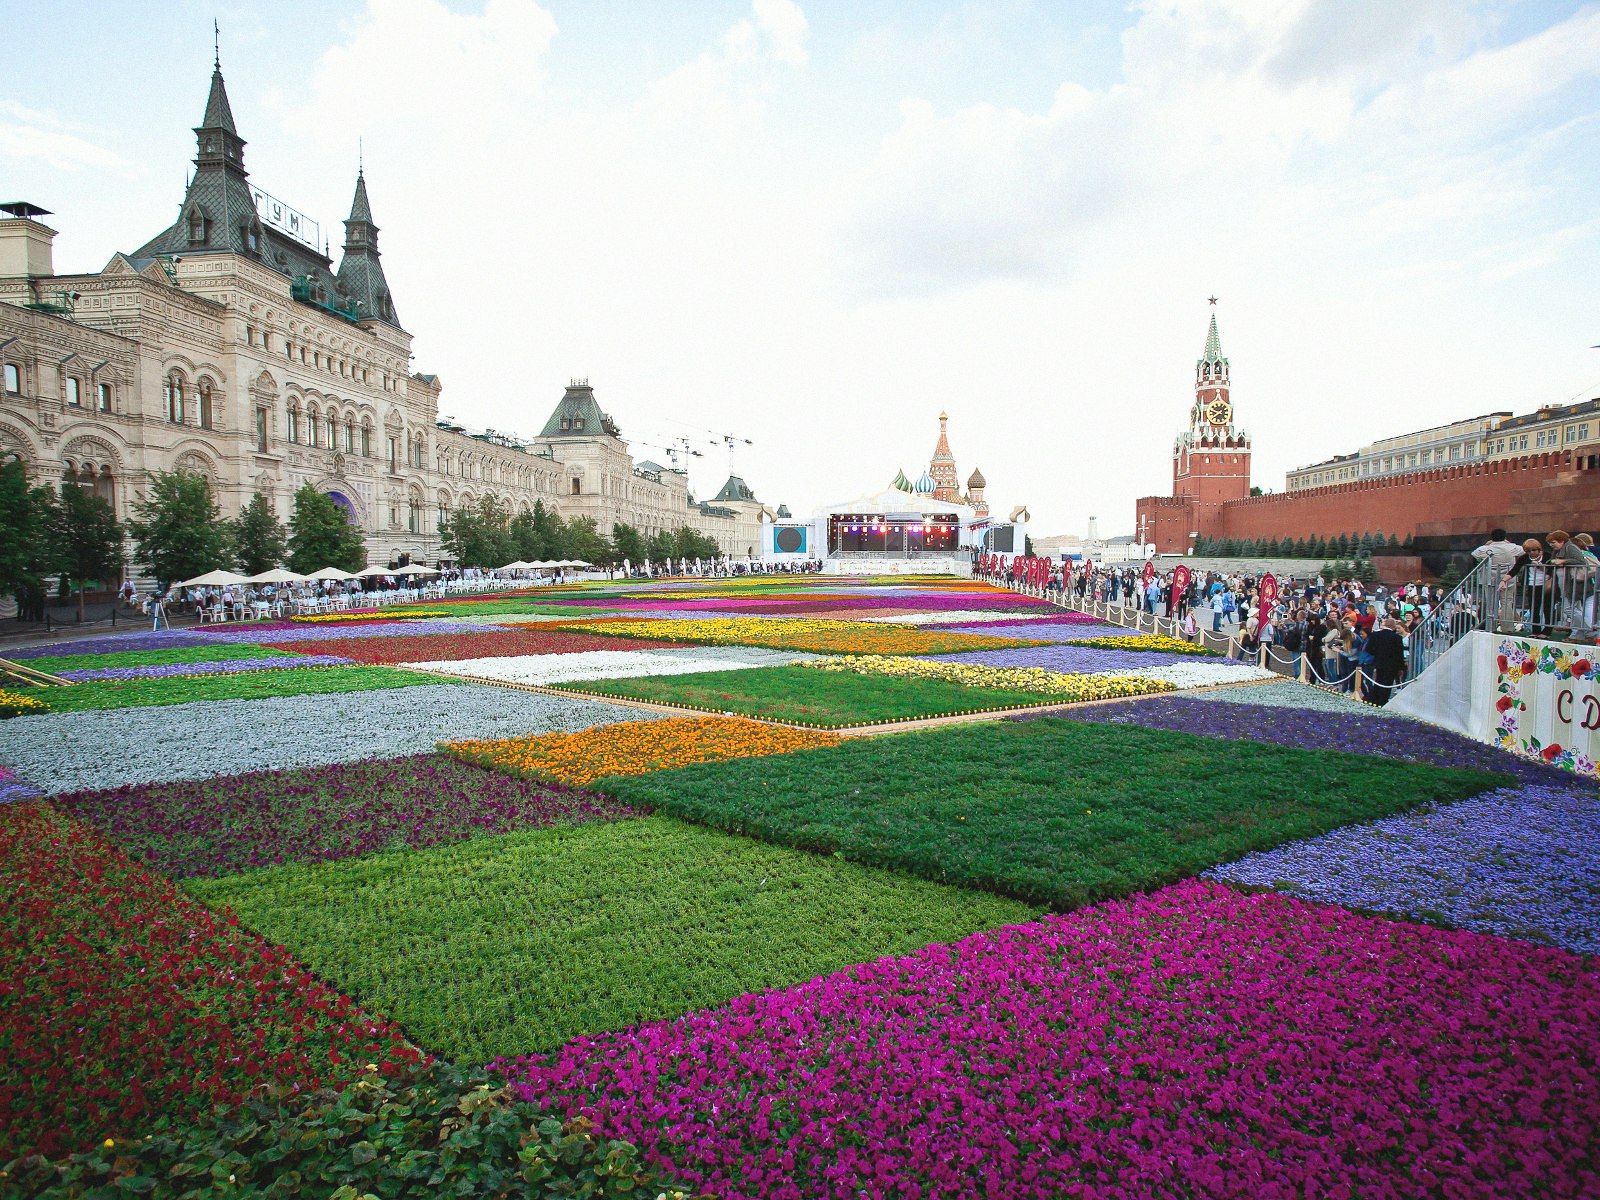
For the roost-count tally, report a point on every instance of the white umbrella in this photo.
(519, 565)
(373, 572)
(214, 579)
(276, 575)
(413, 570)
(333, 573)
(574, 562)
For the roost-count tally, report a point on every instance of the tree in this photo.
(1319, 548)
(1394, 542)
(1300, 549)
(1255, 491)
(178, 530)
(1450, 577)
(1364, 570)
(660, 546)
(85, 539)
(24, 540)
(628, 544)
(260, 540)
(691, 543)
(581, 539)
(1274, 549)
(479, 534)
(321, 534)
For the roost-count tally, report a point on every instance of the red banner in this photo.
(1149, 573)
(1088, 569)
(1180, 582)
(1269, 595)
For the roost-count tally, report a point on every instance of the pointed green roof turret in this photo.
(218, 113)
(360, 278)
(1213, 352)
(900, 483)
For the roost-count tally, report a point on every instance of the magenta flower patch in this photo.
(1196, 1041)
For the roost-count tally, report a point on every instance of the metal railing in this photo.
(1541, 600)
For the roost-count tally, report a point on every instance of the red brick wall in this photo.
(1537, 493)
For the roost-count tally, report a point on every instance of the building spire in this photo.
(360, 273)
(1213, 352)
(216, 44)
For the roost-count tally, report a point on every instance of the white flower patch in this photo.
(63, 752)
(1201, 674)
(543, 669)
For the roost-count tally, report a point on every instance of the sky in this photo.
(816, 225)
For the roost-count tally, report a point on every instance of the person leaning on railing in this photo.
(1535, 586)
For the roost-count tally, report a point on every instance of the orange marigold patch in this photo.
(635, 748)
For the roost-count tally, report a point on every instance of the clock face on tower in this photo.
(1218, 412)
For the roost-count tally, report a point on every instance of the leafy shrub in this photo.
(438, 1131)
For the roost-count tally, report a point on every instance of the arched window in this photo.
(333, 432)
(174, 397)
(13, 378)
(292, 429)
(414, 515)
(313, 424)
(577, 487)
(349, 435)
(207, 415)
(366, 440)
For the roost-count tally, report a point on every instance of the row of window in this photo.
(317, 359)
(73, 388)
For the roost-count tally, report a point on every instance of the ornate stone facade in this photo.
(229, 345)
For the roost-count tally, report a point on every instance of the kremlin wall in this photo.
(1442, 509)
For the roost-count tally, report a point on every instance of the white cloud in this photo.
(28, 133)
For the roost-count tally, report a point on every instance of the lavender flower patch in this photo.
(1519, 862)
(1047, 631)
(1073, 660)
(13, 787)
(279, 631)
(228, 666)
(224, 825)
(106, 748)
(1287, 693)
(165, 639)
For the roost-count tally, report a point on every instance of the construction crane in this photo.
(730, 440)
(678, 453)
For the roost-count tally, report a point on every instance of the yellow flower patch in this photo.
(1143, 641)
(634, 748)
(17, 704)
(798, 633)
(1052, 684)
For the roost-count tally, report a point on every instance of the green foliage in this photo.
(809, 697)
(628, 544)
(1450, 577)
(1319, 548)
(517, 943)
(85, 540)
(322, 535)
(178, 530)
(690, 543)
(437, 1131)
(260, 540)
(1364, 570)
(1274, 549)
(661, 546)
(581, 539)
(1394, 542)
(27, 514)
(1066, 814)
(479, 534)
(244, 685)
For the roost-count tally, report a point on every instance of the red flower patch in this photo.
(494, 642)
(122, 999)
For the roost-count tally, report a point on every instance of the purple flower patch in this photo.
(233, 823)
(227, 667)
(281, 631)
(165, 639)
(1242, 1045)
(1048, 631)
(13, 787)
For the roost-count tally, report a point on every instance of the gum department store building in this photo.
(230, 346)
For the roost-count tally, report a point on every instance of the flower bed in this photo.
(1288, 693)
(1049, 629)
(230, 737)
(823, 637)
(819, 700)
(123, 1000)
(56, 664)
(274, 631)
(633, 748)
(237, 685)
(1044, 810)
(370, 614)
(317, 814)
(118, 643)
(519, 942)
(1195, 1041)
(1213, 672)
(1144, 642)
(1052, 615)
(13, 787)
(486, 642)
(227, 666)
(1043, 682)
(549, 670)
(20, 704)
(1069, 659)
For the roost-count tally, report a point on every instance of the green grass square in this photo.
(517, 943)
